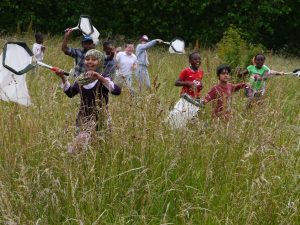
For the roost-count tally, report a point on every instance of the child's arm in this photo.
(69, 90)
(211, 95)
(189, 84)
(64, 46)
(241, 73)
(239, 86)
(106, 81)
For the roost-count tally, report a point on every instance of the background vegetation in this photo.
(243, 172)
(273, 24)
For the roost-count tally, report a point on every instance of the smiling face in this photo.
(129, 48)
(87, 45)
(195, 61)
(259, 61)
(91, 63)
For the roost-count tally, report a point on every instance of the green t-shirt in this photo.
(257, 85)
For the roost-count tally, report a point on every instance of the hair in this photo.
(128, 43)
(192, 55)
(106, 43)
(258, 55)
(38, 35)
(221, 68)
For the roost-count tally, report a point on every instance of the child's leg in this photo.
(80, 142)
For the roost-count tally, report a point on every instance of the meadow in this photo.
(246, 171)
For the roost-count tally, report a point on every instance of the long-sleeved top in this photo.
(141, 52)
(221, 94)
(92, 96)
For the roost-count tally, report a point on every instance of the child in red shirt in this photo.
(190, 78)
(221, 93)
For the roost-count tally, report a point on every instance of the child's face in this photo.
(108, 49)
(129, 48)
(259, 61)
(40, 40)
(91, 63)
(224, 76)
(195, 61)
(87, 45)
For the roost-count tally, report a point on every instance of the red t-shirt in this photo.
(222, 96)
(190, 75)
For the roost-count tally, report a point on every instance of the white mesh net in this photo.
(17, 57)
(13, 87)
(85, 25)
(177, 46)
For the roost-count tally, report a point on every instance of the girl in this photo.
(93, 89)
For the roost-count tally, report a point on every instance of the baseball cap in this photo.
(87, 39)
(144, 38)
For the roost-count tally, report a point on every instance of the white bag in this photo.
(183, 112)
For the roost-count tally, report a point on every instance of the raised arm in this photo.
(149, 44)
(64, 46)
(241, 73)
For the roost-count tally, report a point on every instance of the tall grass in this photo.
(243, 172)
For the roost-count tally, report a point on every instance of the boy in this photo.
(38, 48)
(188, 105)
(93, 88)
(143, 62)
(221, 93)
(190, 78)
(126, 64)
(77, 53)
(109, 61)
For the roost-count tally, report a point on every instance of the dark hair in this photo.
(38, 35)
(106, 43)
(258, 55)
(221, 68)
(192, 55)
(128, 43)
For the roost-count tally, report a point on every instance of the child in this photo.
(78, 54)
(143, 62)
(258, 75)
(190, 78)
(93, 89)
(126, 65)
(38, 48)
(188, 105)
(109, 61)
(221, 93)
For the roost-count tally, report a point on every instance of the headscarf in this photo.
(81, 79)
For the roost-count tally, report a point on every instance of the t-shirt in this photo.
(254, 71)
(191, 75)
(126, 63)
(221, 94)
(37, 52)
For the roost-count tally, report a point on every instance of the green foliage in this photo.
(235, 51)
(275, 25)
(231, 47)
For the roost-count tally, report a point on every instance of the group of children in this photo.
(99, 74)
(191, 80)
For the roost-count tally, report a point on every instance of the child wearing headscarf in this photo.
(93, 88)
